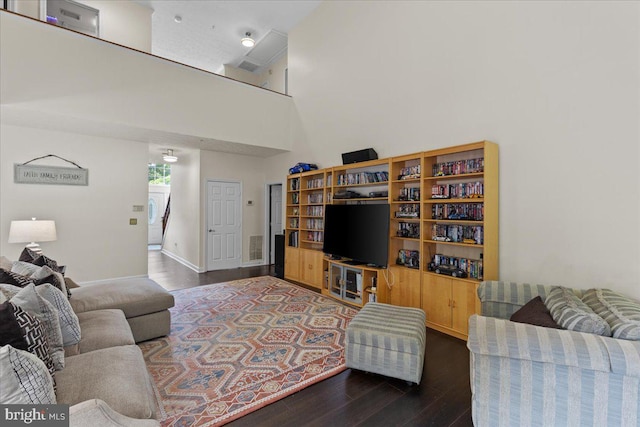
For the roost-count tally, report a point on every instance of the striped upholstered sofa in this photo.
(525, 375)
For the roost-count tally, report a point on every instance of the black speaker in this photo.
(359, 156)
(279, 256)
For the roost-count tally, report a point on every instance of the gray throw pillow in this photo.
(571, 313)
(25, 378)
(620, 312)
(28, 299)
(69, 323)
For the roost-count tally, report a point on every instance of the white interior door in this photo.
(275, 219)
(155, 210)
(224, 225)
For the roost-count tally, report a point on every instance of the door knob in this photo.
(212, 230)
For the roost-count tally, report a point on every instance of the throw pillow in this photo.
(24, 268)
(41, 275)
(29, 300)
(571, 313)
(620, 312)
(11, 278)
(69, 324)
(43, 260)
(27, 255)
(5, 263)
(535, 313)
(25, 378)
(23, 331)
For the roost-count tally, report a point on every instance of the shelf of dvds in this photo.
(444, 212)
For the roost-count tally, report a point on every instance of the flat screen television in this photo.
(358, 232)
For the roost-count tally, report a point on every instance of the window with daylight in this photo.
(159, 174)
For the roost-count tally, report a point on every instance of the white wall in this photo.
(95, 239)
(555, 84)
(182, 238)
(249, 171)
(56, 73)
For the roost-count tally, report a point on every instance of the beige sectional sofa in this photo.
(104, 378)
(107, 365)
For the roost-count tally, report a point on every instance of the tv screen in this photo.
(358, 232)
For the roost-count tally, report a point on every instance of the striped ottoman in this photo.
(388, 340)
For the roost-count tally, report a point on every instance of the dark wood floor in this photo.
(353, 398)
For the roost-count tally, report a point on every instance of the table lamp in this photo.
(32, 231)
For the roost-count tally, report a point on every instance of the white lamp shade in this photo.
(32, 231)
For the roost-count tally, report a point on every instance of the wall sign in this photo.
(57, 175)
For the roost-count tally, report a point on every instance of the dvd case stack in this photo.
(314, 211)
(293, 223)
(410, 172)
(408, 258)
(473, 234)
(409, 230)
(459, 167)
(315, 236)
(461, 211)
(363, 178)
(294, 184)
(315, 224)
(295, 198)
(408, 211)
(473, 267)
(457, 191)
(315, 183)
(314, 198)
(293, 239)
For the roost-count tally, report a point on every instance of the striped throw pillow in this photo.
(620, 312)
(571, 313)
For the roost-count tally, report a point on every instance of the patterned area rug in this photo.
(235, 347)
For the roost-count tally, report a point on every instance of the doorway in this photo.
(274, 217)
(224, 225)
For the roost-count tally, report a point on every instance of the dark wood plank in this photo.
(352, 398)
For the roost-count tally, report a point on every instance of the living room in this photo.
(556, 100)
(554, 84)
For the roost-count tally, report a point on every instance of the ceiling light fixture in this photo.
(247, 41)
(169, 157)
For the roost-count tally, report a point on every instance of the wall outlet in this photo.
(133, 221)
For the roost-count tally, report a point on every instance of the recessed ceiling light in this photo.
(177, 18)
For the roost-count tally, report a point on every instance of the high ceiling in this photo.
(209, 32)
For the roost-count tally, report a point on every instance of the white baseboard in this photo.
(183, 261)
(113, 279)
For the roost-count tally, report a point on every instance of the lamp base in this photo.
(33, 246)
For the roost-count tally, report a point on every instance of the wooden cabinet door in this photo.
(436, 299)
(406, 288)
(292, 263)
(464, 299)
(311, 271)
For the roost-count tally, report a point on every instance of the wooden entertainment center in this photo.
(444, 210)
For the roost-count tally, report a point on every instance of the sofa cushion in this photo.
(96, 413)
(571, 313)
(23, 331)
(25, 378)
(116, 375)
(104, 329)
(69, 324)
(535, 313)
(136, 297)
(28, 299)
(620, 312)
